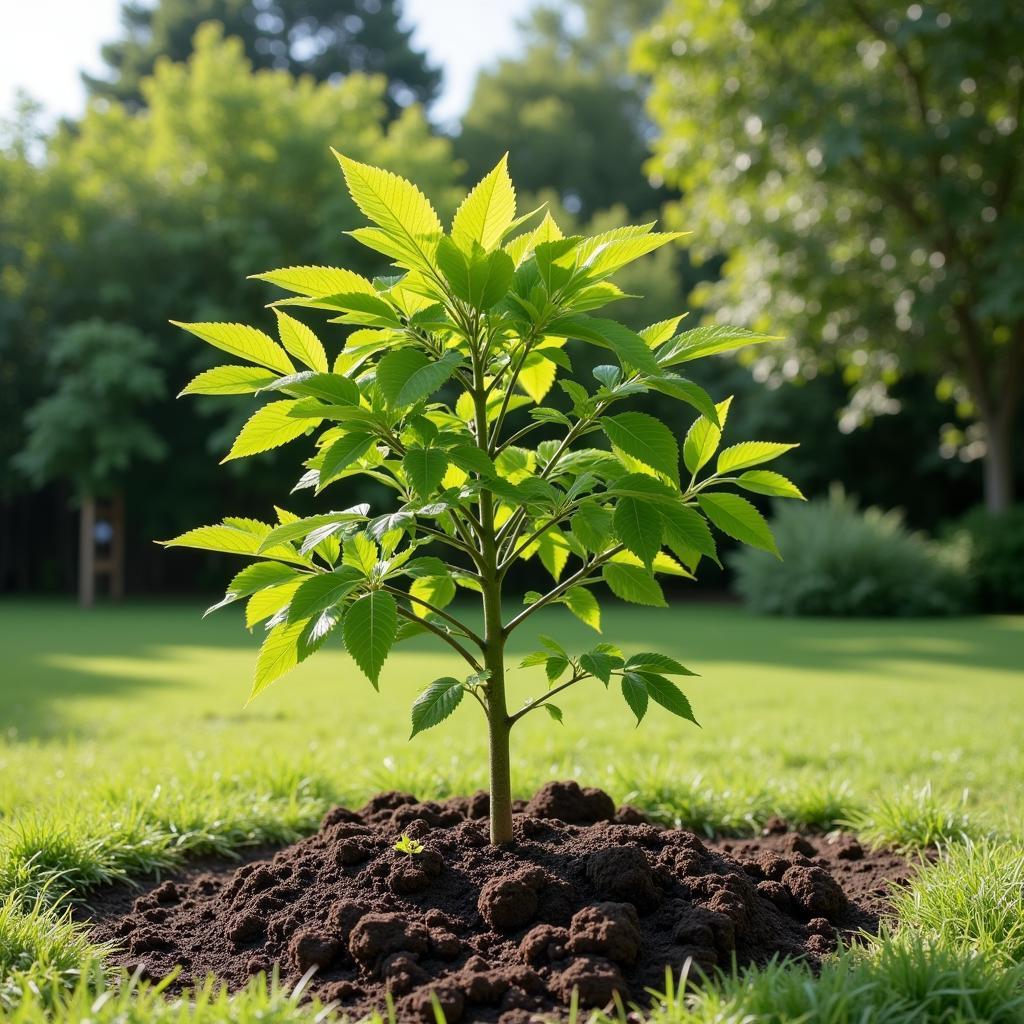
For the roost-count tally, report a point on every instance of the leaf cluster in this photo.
(445, 393)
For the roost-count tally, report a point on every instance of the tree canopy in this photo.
(327, 39)
(860, 167)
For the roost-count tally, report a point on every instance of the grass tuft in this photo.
(914, 820)
(970, 900)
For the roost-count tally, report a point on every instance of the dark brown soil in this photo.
(586, 898)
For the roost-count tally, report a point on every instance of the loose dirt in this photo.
(586, 898)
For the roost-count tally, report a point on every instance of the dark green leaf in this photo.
(644, 438)
(635, 692)
(668, 695)
(633, 584)
(370, 627)
(739, 519)
(425, 468)
(638, 525)
(323, 591)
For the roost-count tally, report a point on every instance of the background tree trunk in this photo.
(999, 484)
(87, 552)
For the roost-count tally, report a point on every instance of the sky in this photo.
(45, 43)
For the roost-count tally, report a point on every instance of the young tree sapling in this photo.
(441, 393)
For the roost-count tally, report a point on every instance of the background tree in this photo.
(875, 156)
(91, 428)
(568, 111)
(327, 39)
(133, 213)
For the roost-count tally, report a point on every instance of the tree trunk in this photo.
(998, 466)
(87, 552)
(499, 725)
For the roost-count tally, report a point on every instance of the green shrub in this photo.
(995, 557)
(838, 560)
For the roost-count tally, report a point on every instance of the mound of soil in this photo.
(586, 898)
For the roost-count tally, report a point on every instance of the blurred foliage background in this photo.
(850, 173)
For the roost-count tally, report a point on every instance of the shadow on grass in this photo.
(51, 652)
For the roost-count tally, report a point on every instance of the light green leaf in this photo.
(370, 627)
(639, 526)
(425, 468)
(323, 591)
(708, 340)
(269, 601)
(268, 427)
(436, 590)
(764, 481)
(278, 654)
(235, 541)
(229, 380)
(604, 254)
(361, 553)
(537, 376)
(252, 578)
(660, 332)
(301, 342)
(703, 438)
(397, 206)
(739, 519)
(242, 341)
(630, 348)
(750, 453)
(635, 692)
(582, 603)
(299, 529)
(634, 584)
(487, 212)
(316, 281)
(644, 438)
(479, 278)
(408, 375)
(328, 387)
(435, 703)
(554, 551)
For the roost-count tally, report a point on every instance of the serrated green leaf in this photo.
(315, 281)
(471, 459)
(635, 693)
(252, 578)
(235, 541)
(644, 438)
(398, 207)
(299, 529)
(328, 387)
(554, 667)
(668, 695)
(687, 530)
(582, 603)
(686, 391)
(703, 438)
(592, 526)
(361, 553)
(425, 468)
(638, 524)
(535, 658)
(554, 551)
(650, 661)
(323, 591)
(487, 212)
(268, 427)
(269, 602)
(346, 451)
(279, 653)
(229, 380)
(657, 334)
(242, 341)
(537, 376)
(634, 584)
(739, 519)
(630, 348)
(750, 453)
(478, 278)
(408, 375)
(709, 340)
(599, 664)
(435, 703)
(370, 626)
(301, 342)
(764, 481)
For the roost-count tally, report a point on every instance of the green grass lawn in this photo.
(125, 744)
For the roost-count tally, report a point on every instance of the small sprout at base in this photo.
(410, 847)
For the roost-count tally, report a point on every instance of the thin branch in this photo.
(577, 577)
(440, 612)
(534, 704)
(446, 637)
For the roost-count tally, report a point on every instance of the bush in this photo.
(838, 560)
(995, 555)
